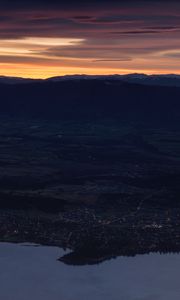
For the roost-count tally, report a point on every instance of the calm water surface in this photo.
(33, 273)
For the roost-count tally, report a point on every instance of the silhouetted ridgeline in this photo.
(91, 99)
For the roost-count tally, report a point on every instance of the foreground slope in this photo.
(90, 165)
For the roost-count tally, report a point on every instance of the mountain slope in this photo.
(92, 99)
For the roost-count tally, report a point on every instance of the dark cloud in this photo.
(77, 3)
(113, 60)
(73, 23)
(163, 27)
(82, 18)
(141, 32)
(173, 54)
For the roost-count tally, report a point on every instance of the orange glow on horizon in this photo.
(42, 57)
(46, 72)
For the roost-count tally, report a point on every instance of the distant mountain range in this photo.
(161, 80)
(158, 80)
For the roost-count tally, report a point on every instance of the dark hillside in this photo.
(92, 99)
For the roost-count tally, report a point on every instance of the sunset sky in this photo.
(40, 39)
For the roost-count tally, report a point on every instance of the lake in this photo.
(33, 273)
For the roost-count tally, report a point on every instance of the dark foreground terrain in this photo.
(102, 183)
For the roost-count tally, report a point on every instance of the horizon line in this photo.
(90, 75)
